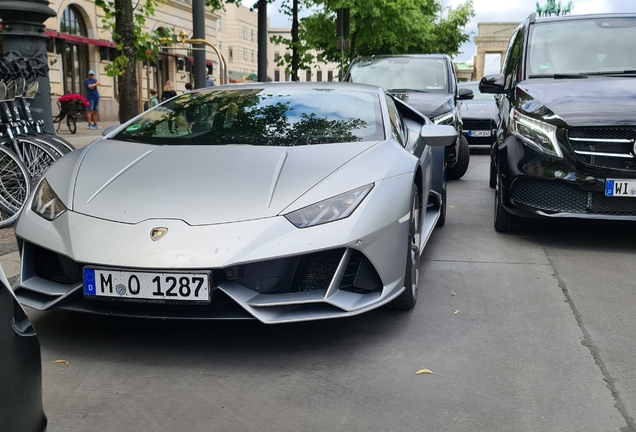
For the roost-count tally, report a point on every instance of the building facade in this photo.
(319, 72)
(491, 39)
(78, 43)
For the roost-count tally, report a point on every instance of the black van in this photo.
(565, 145)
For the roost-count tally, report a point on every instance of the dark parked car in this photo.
(567, 127)
(20, 368)
(478, 116)
(428, 84)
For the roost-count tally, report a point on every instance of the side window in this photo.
(396, 121)
(513, 58)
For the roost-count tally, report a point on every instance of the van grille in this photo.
(605, 147)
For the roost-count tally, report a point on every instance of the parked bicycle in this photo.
(26, 150)
(71, 108)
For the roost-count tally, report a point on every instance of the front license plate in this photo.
(146, 286)
(620, 188)
(479, 133)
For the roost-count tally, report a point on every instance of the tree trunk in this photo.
(295, 40)
(124, 27)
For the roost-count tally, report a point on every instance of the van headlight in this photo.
(46, 203)
(539, 135)
(444, 119)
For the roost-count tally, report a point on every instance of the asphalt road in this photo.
(538, 336)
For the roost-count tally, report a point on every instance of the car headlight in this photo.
(46, 203)
(444, 119)
(329, 210)
(539, 135)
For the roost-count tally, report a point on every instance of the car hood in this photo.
(596, 101)
(201, 185)
(429, 104)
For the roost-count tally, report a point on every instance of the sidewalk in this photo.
(83, 136)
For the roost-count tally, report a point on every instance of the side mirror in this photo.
(465, 94)
(438, 135)
(493, 84)
(110, 129)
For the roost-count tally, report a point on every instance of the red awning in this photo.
(169, 54)
(80, 39)
(207, 62)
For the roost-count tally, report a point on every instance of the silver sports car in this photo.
(280, 202)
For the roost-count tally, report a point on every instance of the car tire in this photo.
(463, 159)
(442, 211)
(504, 221)
(408, 298)
(493, 175)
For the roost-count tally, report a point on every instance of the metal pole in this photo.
(198, 27)
(23, 33)
(262, 40)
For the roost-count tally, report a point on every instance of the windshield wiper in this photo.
(629, 72)
(407, 90)
(559, 76)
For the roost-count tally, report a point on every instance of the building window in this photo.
(252, 35)
(287, 76)
(245, 54)
(330, 76)
(277, 75)
(218, 24)
(252, 55)
(319, 76)
(75, 65)
(276, 56)
(245, 33)
(230, 54)
(72, 22)
(220, 46)
(308, 76)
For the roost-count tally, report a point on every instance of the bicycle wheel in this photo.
(15, 187)
(71, 122)
(62, 144)
(51, 145)
(36, 156)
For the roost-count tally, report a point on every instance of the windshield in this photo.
(474, 86)
(261, 116)
(425, 74)
(580, 46)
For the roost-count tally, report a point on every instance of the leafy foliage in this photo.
(385, 27)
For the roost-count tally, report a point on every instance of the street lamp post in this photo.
(262, 40)
(198, 32)
(23, 33)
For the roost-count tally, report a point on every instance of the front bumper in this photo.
(536, 185)
(265, 269)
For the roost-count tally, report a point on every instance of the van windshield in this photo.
(582, 46)
(412, 73)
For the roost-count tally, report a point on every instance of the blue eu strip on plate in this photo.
(609, 188)
(89, 282)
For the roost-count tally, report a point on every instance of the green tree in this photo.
(387, 27)
(127, 24)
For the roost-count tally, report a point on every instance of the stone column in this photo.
(23, 33)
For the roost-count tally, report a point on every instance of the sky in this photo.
(487, 11)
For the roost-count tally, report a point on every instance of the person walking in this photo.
(188, 88)
(168, 93)
(92, 94)
(209, 82)
(153, 98)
